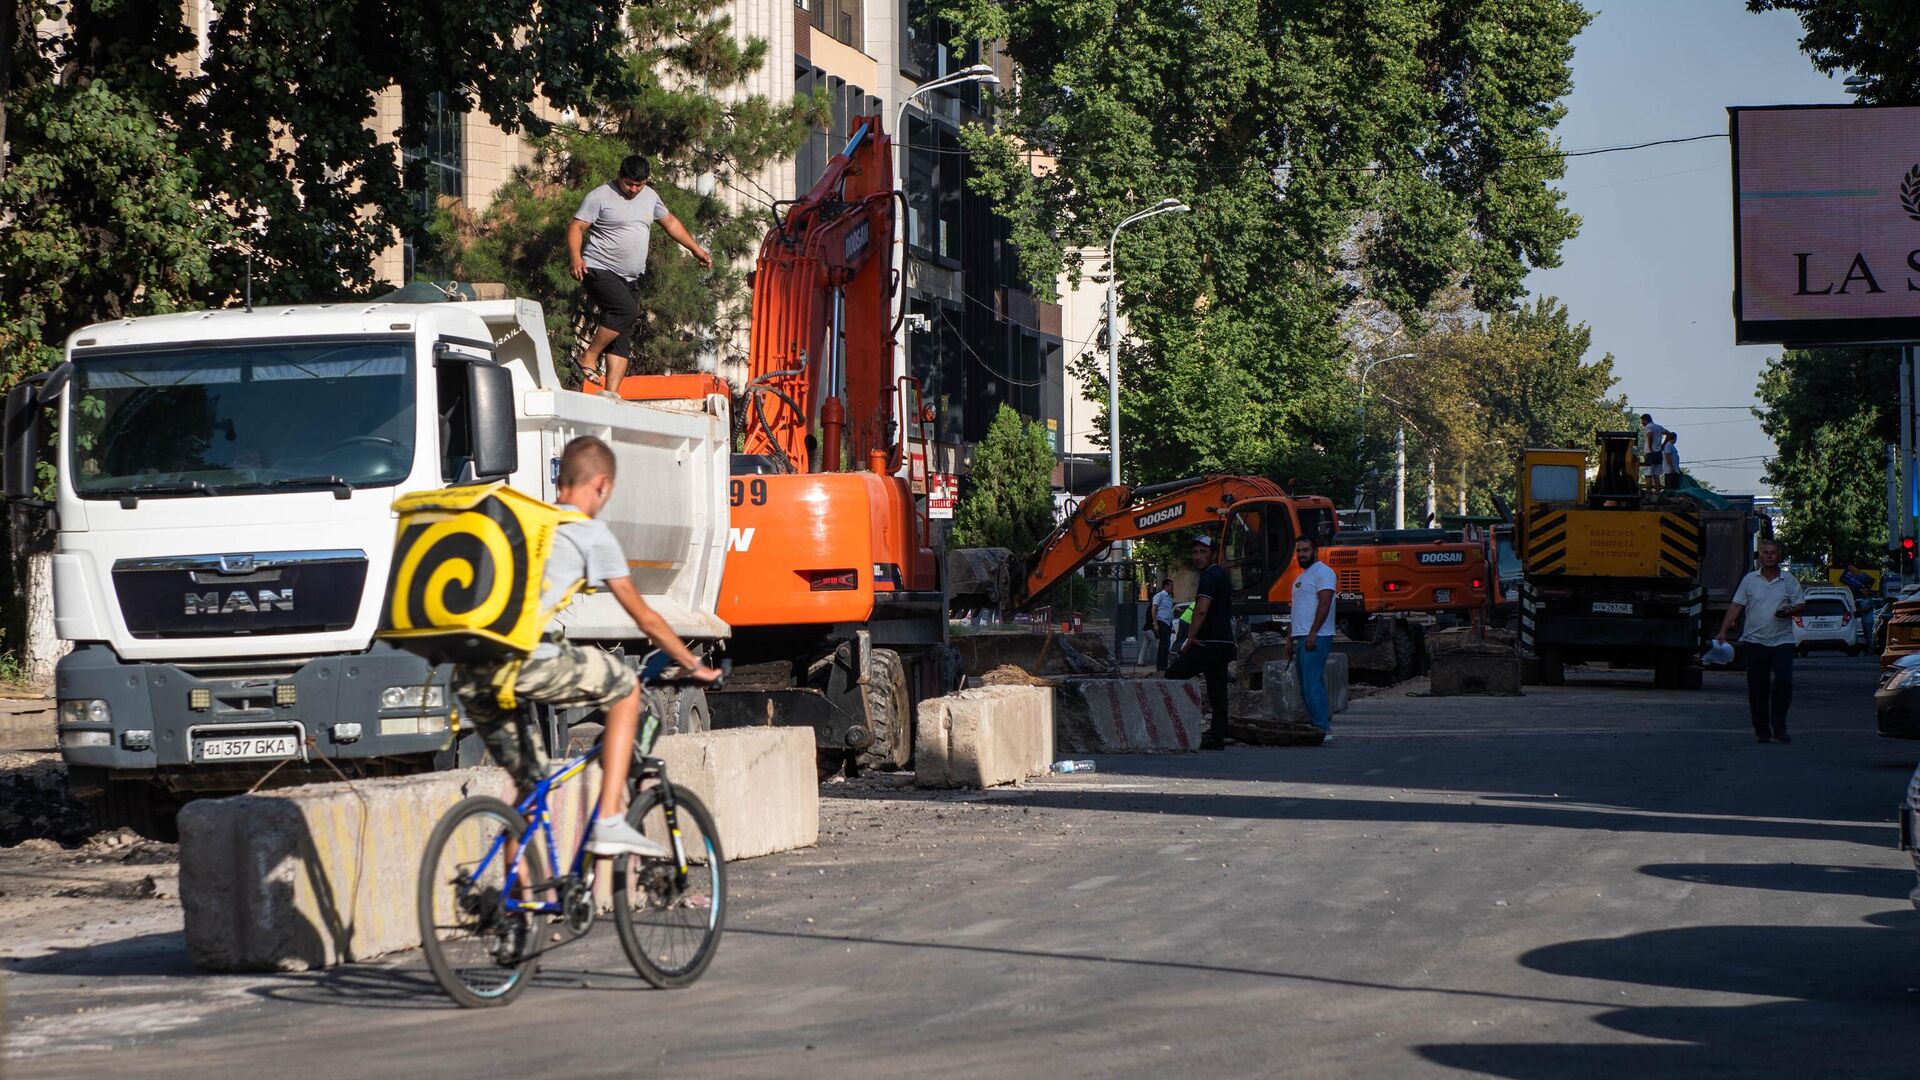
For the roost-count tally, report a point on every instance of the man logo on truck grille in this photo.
(1161, 517)
(239, 600)
(1442, 558)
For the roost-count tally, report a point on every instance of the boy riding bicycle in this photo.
(560, 672)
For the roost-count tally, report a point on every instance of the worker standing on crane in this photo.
(1210, 646)
(607, 254)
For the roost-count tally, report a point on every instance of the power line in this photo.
(1146, 163)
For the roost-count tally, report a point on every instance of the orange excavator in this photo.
(830, 586)
(1380, 576)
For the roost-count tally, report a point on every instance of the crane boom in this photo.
(1118, 513)
(820, 360)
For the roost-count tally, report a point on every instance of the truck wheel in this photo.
(1666, 674)
(690, 715)
(1553, 667)
(1691, 677)
(890, 709)
(1405, 658)
(144, 807)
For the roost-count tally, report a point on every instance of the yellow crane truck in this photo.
(1612, 572)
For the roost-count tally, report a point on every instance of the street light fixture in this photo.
(1164, 206)
(978, 73)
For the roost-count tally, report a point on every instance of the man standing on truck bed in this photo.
(1773, 598)
(1210, 646)
(607, 253)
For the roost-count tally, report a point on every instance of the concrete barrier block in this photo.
(1457, 673)
(984, 737)
(314, 876)
(761, 784)
(1339, 682)
(1122, 716)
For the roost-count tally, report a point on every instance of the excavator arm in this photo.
(1118, 513)
(821, 357)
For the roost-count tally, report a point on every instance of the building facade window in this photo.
(934, 191)
(846, 104)
(840, 20)
(441, 159)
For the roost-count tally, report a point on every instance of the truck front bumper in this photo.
(159, 717)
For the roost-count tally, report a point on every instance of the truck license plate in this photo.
(1443, 596)
(1608, 607)
(249, 747)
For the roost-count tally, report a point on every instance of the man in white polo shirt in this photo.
(1770, 598)
(1311, 623)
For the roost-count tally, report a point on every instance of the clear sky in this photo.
(1652, 269)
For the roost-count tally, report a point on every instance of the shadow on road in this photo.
(369, 986)
(147, 956)
(1291, 808)
(1884, 883)
(1850, 1005)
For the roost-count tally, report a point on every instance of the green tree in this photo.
(1009, 497)
(1877, 39)
(1828, 414)
(679, 106)
(1332, 152)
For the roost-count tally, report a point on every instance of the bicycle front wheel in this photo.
(669, 922)
(480, 953)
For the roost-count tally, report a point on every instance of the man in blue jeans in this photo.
(1311, 623)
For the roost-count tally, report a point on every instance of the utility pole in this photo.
(1432, 506)
(1400, 478)
(1463, 489)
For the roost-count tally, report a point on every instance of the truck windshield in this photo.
(237, 419)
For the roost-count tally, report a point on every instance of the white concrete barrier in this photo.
(314, 876)
(983, 737)
(1127, 716)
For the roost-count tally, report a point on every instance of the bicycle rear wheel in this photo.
(480, 953)
(671, 928)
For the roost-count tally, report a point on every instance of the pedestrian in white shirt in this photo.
(1311, 623)
(1163, 621)
(1770, 599)
(1653, 438)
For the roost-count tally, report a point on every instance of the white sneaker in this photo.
(613, 836)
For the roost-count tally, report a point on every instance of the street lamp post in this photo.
(1359, 421)
(1164, 206)
(978, 73)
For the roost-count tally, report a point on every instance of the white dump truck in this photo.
(224, 520)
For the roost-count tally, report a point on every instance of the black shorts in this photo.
(618, 301)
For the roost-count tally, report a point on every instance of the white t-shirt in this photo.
(1307, 588)
(618, 229)
(1163, 607)
(1761, 598)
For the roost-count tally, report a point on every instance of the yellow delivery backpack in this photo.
(468, 563)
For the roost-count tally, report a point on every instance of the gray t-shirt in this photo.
(581, 549)
(618, 229)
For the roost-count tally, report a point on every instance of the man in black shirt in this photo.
(1209, 647)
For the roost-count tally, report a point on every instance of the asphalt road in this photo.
(1600, 880)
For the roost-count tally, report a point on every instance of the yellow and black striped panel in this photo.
(1682, 544)
(1547, 541)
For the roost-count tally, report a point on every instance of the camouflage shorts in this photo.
(576, 676)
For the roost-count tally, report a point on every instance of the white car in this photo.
(1828, 622)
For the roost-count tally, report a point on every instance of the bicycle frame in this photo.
(534, 809)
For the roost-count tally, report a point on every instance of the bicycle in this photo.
(490, 882)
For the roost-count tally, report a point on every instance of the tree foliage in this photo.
(1482, 389)
(1877, 39)
(1331, 151)
(680, 106)
(1009, 498)
(1829, 415)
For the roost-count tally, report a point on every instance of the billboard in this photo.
(1826, 224)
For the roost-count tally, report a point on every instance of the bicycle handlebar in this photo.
(658, 669)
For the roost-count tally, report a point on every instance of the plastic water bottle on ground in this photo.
(1065, 765)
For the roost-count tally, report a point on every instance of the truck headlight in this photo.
(413, 697)
(412, 725)
(85, 711)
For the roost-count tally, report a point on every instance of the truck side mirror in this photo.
(22, 427)
(490, 419)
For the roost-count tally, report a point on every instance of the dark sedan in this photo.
(1896, 705)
